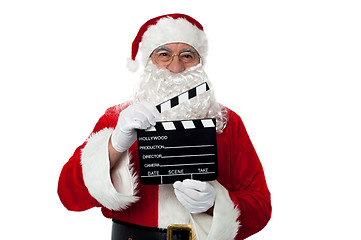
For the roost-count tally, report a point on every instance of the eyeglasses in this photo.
(165, 57)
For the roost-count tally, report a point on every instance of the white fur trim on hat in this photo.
(169, 30)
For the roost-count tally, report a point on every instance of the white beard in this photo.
(158, 85)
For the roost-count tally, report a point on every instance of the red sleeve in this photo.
(71, 187)
(249, 189)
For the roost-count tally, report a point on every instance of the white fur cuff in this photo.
(96, 173)
(225, 222)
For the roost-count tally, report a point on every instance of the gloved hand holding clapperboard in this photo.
(195, 196)
(138, 116)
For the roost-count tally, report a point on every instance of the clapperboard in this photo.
(176, 150)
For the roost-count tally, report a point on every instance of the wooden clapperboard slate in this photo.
(176, 150)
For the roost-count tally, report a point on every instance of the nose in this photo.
(176, 66)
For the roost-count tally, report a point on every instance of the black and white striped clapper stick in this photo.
(183, 97)
(182, 125)
(177, 150)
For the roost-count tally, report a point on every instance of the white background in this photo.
(290, 69)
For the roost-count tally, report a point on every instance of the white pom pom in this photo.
(132, 66)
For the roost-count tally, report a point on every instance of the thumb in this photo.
(178, 185)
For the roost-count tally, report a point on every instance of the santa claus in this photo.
(104, 170)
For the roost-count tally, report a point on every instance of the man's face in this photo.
(173, 71)
(176, 57)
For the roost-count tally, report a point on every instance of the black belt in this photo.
(129, 231)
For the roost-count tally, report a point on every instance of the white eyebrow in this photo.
(188, 50)
(162, 48)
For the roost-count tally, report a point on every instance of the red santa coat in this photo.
(242, 205)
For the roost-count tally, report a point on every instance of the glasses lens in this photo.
(163, 57)
(188, 57)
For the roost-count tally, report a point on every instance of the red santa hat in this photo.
(170, 28)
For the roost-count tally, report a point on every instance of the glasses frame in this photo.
(195, 62)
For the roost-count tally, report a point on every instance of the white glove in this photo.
(138, 116)
(195, 196)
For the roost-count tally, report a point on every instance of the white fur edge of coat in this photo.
(225, 222)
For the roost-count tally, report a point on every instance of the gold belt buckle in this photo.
(179, 227)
